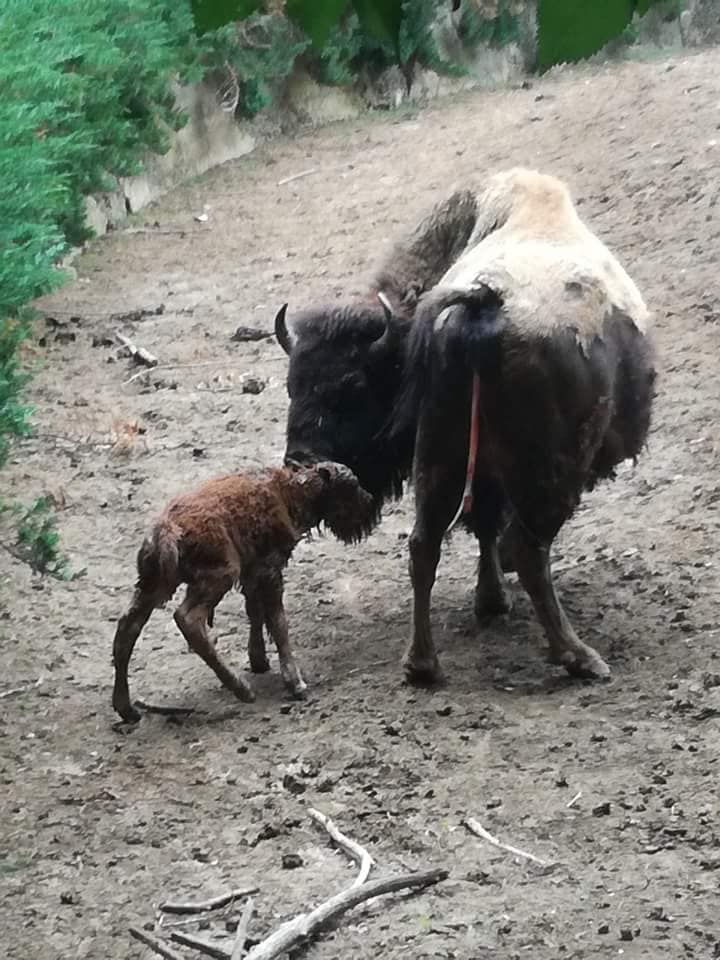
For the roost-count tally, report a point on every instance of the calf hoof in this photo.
(423, 671)
(492, 603)
(259, 664)
(585, 664)
(127, 711)
(296, 687)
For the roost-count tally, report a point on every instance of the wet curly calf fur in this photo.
(236, 531)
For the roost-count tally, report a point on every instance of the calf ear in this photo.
(281, 331)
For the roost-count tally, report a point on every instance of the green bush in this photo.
(83, 86)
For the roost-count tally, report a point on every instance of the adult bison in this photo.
(536, 329)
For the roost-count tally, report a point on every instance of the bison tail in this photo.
(158, 560)
(468, 321)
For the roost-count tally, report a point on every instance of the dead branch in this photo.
(307, 925)
(203, 906)
(571, 803)
(296, 176)
(164, 711)
(139, 354)
(480, 831)
(242, 931)
(16, 690)
(202, 946)
(156, 945)
(350, 847)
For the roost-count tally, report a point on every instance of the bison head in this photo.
(344, 374)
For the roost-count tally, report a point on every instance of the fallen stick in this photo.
(571, 803)
(203, 906)
(350, 847)
(157, 945)
(164, 711)
(202, 946)
(139, 354)
(306, 925)
(296, 176)
(480, 831)
(16, 690)
(242, 930)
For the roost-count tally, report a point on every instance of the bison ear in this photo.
(281, 331)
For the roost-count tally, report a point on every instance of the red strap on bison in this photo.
(467, 497)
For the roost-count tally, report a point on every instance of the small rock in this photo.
(626, 935)
(493, 803)
(249, 334)
(602, 809)
(604, 928)
(444, 711)
(67, 897)
(293, 785)
(254, 385)
(291, 861)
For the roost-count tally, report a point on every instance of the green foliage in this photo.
(474, 29)
(14, 413)
(316, 19)
(83, 88)
(571, 31)
(261, 50)
(37, 541)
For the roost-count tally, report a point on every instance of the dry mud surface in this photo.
(100, 823)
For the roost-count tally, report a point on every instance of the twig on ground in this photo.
(571, 803)
(241, 933)
(306, 925)
(202, 946)
(203, 906)
(186, 366)
(139, 354)
(157, 945)
(296, 176)
(480, 831)
(351, 848)
(164, 711)
(14, 691)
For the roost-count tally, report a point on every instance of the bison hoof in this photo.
(423, 671)
(128, 712)
(492, 603)
(261, 665)
(245, 693)
(585, 664)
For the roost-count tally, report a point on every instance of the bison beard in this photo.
(556, 416)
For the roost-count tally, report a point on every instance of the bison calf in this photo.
(237, 530)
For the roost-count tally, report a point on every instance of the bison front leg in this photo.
(271, 588)
(533, 567)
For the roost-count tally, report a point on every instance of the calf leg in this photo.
(129, 627)
(257, 653)
(492, 594)
(271, 588)
(191, 617)
(533, 567)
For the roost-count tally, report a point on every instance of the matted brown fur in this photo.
(236, 530)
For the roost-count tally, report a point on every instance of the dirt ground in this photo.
(100, 823)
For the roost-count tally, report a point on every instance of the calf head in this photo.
(349, 511)
(344, 375)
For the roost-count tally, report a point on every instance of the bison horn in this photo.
(281, 331)
(387, 337)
